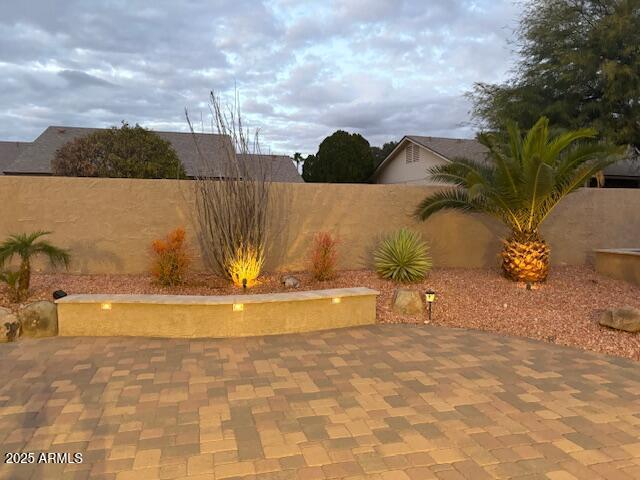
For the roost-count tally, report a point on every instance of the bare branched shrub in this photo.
(233, 191)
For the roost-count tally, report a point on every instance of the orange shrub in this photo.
(324, 256)
(172, 260)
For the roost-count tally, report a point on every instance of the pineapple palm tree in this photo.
(523, 180)
(26, 246)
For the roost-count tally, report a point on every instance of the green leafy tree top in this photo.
(580, 66)
(341, 158)
(380, 153)
(125, 152)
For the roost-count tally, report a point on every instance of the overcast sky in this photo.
(303, 68)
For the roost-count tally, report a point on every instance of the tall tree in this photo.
(125, 152)
(341, 158)
(580, 66)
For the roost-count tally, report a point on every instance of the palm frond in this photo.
(450, 199)
(57, 256)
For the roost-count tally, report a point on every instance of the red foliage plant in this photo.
(172, 260)
(324, 256)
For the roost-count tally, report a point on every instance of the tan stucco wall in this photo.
(200, 319)
(397, 170)
(108, 224)
(620, 265)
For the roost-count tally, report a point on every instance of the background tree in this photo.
(341, 158)
(580, 66)
(380, 153)
(125, 152)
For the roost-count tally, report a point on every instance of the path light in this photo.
(238, 307)
(335, 300)
(105, 306)
(430, 297)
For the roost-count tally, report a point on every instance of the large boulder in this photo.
(625, 318)
(39, 319)
(6, 317)
(407, 302)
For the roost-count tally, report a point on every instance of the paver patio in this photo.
(381, 402)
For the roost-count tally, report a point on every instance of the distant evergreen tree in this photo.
(341, 158)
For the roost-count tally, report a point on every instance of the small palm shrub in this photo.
(26, 246)
(244, 266)
(403, 257)
(324, 256)
(172, 260)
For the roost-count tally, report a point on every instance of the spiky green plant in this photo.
(522, 182)
(403, 257)
(26, 246)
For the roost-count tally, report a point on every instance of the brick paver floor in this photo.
(382, 402)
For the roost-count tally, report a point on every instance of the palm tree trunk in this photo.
(525, 258)
(25, 278)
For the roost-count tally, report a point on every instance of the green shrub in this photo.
(11, 279)
(25, 246)
(403, 257)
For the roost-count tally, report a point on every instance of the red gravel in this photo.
(564, 310)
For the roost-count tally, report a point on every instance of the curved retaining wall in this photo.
(215, 316)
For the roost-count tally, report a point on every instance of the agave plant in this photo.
(403, 257)
(26, 246)
(523, 180)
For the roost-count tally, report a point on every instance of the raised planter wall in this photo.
(620, 263)
(215, 316)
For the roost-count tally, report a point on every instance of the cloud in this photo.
(382, 68)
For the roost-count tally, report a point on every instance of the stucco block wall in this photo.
(109, 224)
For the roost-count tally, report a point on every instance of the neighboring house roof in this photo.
(446, 148)
(9, 151)
(36, 160)
(452, 148)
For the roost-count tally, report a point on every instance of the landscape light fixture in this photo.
(528, 285)
(105, 306)
(244, 284)
(58, 294)
(430, 297)
(335, 300)
(238, 307)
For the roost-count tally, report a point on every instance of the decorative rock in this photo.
(290, 281)
(625, 318)
(7, 318)
(39, 319)
(407, 302)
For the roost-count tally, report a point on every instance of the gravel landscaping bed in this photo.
(564, 310)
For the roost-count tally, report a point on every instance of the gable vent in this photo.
(412, 153)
